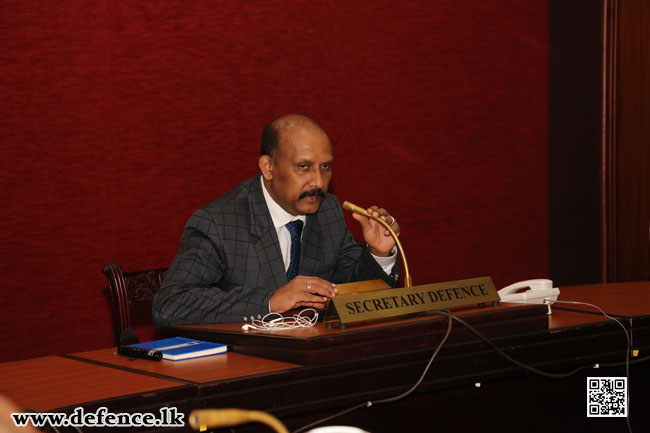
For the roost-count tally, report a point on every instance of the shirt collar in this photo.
(279, 216)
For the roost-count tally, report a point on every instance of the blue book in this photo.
(178, 348)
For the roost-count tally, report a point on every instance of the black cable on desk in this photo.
(397, 397)
(504, 355)
(572, 372)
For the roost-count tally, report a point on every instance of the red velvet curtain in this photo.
(119, 119)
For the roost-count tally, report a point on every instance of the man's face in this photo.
(300, 169)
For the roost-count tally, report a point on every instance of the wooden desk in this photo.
(321, 345)
(299, 394)
(226, 366)
(629, 302)
(562, 319)
(565, 340)
(620, 299)
(52, 382)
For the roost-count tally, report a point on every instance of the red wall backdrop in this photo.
(118, 119)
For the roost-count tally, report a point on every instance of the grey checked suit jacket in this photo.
(229, 263)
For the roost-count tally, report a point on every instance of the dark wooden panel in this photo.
(319, 389)
(633, 141)
(574, 130)
(529, 404)
(626, 141)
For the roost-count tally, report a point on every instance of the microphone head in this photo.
(356, 209)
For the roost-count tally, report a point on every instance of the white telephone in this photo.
(541, 291)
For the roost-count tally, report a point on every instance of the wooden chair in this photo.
(131, 299)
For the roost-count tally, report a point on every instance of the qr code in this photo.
(606, 396)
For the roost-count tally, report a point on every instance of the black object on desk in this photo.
(136, 352)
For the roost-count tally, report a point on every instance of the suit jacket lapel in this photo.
(272, 273)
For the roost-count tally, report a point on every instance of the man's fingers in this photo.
(309, 298)
(315, 285)
(328, 292)
(302, 290)
(382, 213)
(365, 221)
(374, 211)
(386, 217)
(316, 305)
(378, 211)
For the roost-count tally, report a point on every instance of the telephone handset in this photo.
(540, 291)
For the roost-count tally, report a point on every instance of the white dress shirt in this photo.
(281, 217)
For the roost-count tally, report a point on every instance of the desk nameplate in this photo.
(378, 304)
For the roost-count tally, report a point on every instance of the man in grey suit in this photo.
(245, 254)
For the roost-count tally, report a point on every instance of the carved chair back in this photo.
(131, 299)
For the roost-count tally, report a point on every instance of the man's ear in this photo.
(266, 167)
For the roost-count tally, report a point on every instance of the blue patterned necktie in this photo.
(295, 229)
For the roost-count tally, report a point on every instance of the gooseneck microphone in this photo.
(356, 209)
(202, 419)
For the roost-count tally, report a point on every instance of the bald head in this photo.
(272, 134)
(296, 163)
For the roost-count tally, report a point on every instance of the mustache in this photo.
(314, 192)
